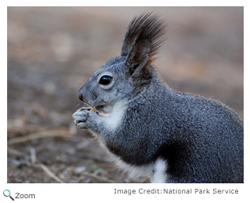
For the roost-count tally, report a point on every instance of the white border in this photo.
(105, 192)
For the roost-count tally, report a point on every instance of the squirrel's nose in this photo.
(80, 96)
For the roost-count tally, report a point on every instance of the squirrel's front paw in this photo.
(81, 116)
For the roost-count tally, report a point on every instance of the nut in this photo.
(93, 109)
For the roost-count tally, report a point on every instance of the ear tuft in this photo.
(142, 40)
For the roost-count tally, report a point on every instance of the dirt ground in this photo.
(53, 51)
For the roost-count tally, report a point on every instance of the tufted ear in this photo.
(142, 41)
(138, 57)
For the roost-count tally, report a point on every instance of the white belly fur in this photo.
(113, 119)
(160, 168)
(156, 171)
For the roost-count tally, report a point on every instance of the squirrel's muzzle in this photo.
(79, 95)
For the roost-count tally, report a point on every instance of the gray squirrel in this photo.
(152, 130)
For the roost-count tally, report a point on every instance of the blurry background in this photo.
(52, 52)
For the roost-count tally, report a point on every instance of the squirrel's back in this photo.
(200, 139)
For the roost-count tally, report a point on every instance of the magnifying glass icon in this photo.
(6, 193)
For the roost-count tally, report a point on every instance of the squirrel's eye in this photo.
(105, 80)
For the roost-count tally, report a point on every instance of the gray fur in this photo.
(200, 139)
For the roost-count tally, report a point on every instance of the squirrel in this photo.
(152, 130)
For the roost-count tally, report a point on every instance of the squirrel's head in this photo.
(121, 78)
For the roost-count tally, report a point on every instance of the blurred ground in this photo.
(53, 51)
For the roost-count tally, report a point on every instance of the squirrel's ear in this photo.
(138, 56)
(142, 41)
